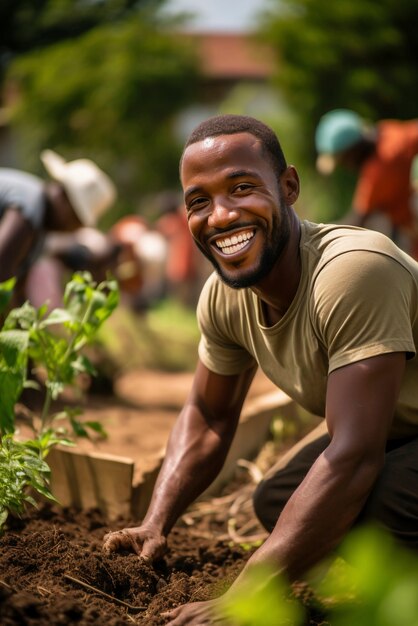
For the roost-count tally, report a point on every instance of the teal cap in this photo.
(338, 130)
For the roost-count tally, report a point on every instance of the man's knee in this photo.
(393, 501)
(269, 500)
(272, 493)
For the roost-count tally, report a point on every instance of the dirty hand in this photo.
(195, 614)
(147, 543)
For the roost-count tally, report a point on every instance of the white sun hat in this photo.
(89, 190)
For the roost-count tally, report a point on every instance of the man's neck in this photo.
(277, 290)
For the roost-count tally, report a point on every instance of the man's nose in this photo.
(222, 215)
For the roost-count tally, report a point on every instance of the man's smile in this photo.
(232, 244)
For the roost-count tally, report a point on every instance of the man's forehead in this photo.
(229, 139)
(224, 145)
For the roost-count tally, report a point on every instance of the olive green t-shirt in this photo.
(357, 298)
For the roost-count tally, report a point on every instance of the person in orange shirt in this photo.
(383, 156)
(185, 270)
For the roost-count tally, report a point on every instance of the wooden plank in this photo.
(97, 480)
(92, 480)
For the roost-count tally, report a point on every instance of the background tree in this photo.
(358, 54)
(32, 24)
(111, 95)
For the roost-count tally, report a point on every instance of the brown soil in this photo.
(42, 554)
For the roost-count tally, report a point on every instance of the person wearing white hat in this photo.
(382, 156)
(77, 196)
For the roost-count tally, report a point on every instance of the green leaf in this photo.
(13, 347)
(11, 385)
(262, 598)
(57, 316)
(4, 514)
(78, 428)
(6, 292)
(97, 427)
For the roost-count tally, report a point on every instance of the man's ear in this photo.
(289, 184)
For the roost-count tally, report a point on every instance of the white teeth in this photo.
(235, 243)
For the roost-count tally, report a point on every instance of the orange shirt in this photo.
(181, 262)
(384, 182)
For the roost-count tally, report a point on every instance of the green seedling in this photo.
(51, 342)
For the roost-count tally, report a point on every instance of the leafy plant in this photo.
(371, 581)
(374, 583)
(263, 599)
(50, 343)
(20, 467)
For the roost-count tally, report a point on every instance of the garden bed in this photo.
(44, 557)
(48, 557)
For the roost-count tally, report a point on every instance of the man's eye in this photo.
(196, 203)
(243, 187)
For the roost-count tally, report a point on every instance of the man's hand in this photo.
(195, 614)
(145, 542)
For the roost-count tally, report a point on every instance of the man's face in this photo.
(234, 205)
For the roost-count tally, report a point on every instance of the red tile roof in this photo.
(233, 55)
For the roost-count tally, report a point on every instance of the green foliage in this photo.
(27, 25)
(6, 292)
(375, 584)
(111, 95)
(358, 54)
(165, 338)
(21, 467)
(372, 582)
(263, 599)
(53, 342)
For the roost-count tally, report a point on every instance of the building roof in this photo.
(233, 55)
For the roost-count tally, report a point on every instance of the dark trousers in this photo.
(393, 501)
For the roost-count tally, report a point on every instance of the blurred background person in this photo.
(30, 208)
(141, 262)
(382, 157)
(185, 270)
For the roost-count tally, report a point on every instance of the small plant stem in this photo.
(74, 338)
(45, 408)
(104, 594)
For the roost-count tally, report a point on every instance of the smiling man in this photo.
(330, 314)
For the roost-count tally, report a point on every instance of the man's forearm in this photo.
(318, 515)
(195, 454)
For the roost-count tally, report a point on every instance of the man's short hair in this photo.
(233, 124)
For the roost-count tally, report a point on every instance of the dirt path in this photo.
(139, 417)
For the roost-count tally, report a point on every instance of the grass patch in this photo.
(164, 338)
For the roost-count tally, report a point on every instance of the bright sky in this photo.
(219, 15)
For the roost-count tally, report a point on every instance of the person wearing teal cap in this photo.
(382, 155)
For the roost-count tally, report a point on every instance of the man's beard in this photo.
(272, 251)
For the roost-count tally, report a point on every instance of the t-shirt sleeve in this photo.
(363, 304)
(219, 347)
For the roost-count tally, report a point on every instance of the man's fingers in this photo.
(153, 550)
(120, 540)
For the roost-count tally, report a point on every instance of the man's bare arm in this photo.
(196, 451)
(360, 404)
(16, 239)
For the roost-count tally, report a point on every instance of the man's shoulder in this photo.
(332, 239)
(328, 242)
